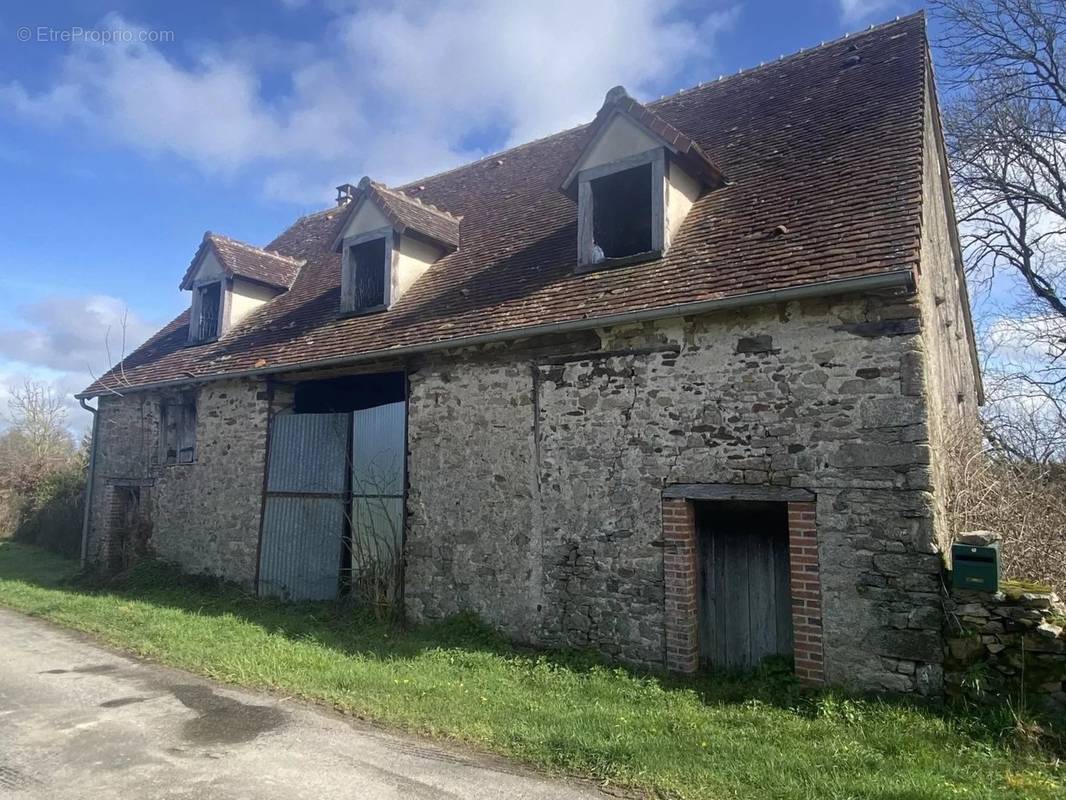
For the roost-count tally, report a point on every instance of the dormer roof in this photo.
(619, 103)
(407, 215)
(242, 260)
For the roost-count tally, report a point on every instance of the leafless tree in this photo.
(1004, 67)
(114, 378)
(38, 418)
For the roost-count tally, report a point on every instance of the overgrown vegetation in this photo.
(715, 737)
(42, 473)
(1024, 501)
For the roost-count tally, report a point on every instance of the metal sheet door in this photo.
(304, 510)
(378, 461)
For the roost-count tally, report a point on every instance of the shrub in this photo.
(51, 517)
(1025, 502)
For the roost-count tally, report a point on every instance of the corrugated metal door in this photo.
(378, 451)
(745, 608)
(304, 510)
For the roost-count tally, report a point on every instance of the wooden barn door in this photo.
(745, 608)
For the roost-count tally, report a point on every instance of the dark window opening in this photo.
(210, 309)
(179, 432)
(621, 212)
(368, 272)
(350, 393)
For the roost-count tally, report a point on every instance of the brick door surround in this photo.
(681, 580)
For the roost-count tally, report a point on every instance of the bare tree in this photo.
(1005, 127)
(38, 417)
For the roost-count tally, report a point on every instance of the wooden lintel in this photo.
(738, 491)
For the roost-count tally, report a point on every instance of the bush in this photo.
(51, 517)
(1024, 502)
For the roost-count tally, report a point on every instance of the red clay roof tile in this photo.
(834, 154)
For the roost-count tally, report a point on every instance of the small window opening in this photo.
(210, 306)
(368, 270)
(179, 432)
(621, 213)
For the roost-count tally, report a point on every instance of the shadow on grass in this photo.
(342, 627)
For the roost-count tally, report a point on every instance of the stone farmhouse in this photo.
(672, 385)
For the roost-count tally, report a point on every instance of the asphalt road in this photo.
(79, 721)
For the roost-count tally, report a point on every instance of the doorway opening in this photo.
(333, 509)
(744, 596)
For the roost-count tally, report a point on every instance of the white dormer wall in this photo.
(240, 297)
(245, 297)
(209, 270)
(368, 218)
(621, 139)
(410, 257)
(682, 190)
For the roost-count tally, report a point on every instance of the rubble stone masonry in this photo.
(205, 515)
(535, 480)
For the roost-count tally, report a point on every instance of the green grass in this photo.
(716, 737)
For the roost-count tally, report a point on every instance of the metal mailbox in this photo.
(975, 567)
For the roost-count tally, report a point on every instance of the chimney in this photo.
(345, 192)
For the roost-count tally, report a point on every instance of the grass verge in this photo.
(719, 736)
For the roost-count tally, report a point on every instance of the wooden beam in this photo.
(738, 491)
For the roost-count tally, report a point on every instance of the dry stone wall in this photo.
(535, 480)
(1001, 645)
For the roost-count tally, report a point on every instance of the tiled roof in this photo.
(410, 213)
(245, 261)
(684, 148)
(826, 145)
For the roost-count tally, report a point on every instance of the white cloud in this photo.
(63, 341)
(862, 10)
(394, 90)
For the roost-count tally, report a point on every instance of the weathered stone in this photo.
(755, 344)
(972, 610)
(909, 644)
(1048, 630)
(978, 538)
(964, 648)
(929, 680)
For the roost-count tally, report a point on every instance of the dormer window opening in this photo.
(368, 260)
(622, 213)
(210, 311)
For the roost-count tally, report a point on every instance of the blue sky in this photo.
(115, 157)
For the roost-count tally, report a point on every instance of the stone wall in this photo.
(204, 515)
(1000, 645)
(535, 480)
(947, 335)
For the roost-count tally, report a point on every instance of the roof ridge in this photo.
(667, 97)
(418, 201)
(787, 57)
(247, 246)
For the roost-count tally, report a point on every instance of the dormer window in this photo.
(367, 278)
(634, 182)
(622, 213)
(387, 241)
(210, 307)
(620, 217)
(229, 280)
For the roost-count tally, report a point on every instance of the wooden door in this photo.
(745, 609)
